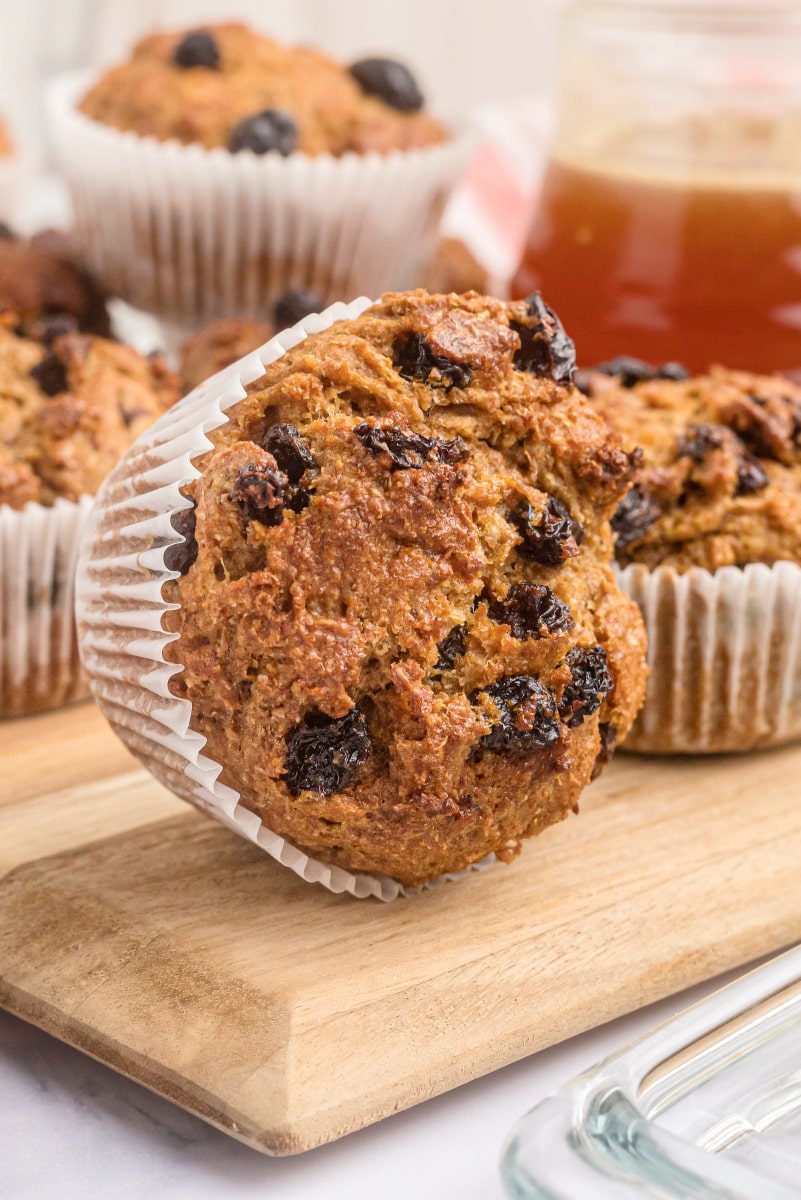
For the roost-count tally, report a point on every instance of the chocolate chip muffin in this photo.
(70, 405)
(40, 279)
(397, 622)
(719, 483)
(228, 86)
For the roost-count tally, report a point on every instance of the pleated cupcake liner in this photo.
(39, 663)
(194, 234)
(120, 610)
(724, 651)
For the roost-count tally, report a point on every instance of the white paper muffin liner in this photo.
(194, 234)
(39, 663)
(120, 609)
(724, 650)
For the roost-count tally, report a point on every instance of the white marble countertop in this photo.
(74, 1130)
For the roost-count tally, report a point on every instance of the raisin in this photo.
(451, 647)
(608, 738)
(182, 555)
(751, 475)
(269, 130)
(699, 440)
(673, 371)
(324, 753)
(197, 49)
(590, 683)
(409, 451)
(545, 349)
(630, 371)
(527, 718)
(549, 538)
(635, 515)
(52, 326)
(290, 450)
(532, 610)
(293, 306)
(415, 360)
(261, 493)
(51, 375)
(7, 233)
(391, 81)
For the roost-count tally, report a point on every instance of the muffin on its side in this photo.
(397, 623)
(69, 407)
(710, 535)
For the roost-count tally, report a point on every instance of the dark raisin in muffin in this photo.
(398, 623)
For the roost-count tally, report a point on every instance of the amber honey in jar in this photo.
(669, 223)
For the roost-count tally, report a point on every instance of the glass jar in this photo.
(669, 224)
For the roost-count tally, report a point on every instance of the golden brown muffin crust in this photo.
(385, 671)
(152, 96)
(720, 479)
(63, 440)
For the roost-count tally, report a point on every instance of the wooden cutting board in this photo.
(160, 943)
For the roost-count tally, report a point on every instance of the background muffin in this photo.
(710, 534)
(215, 170)
(40, 279)
(231, 87)
(69, 407)
(398, 626)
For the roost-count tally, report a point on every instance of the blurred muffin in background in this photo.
(41, 280)
(454, 268)
(709, 542)
(216, 169)
(70, 404)
(223, 342)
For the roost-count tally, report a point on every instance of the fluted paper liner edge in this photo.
(724, 651)
(120, 609)
(39, 664)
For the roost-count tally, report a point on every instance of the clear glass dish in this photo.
(705, 1107)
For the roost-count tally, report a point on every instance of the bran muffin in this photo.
(215, 170)
(231, 87)
(720, 479)
(397, 623)
(70, 405)
(709, 543)
(223, 342)
(40, 278)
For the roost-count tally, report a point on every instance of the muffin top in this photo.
(226, 85)
(398, 624)
(40, 278)
(719, 483)
(69, 407)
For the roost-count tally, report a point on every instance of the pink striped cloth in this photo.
(491, 209)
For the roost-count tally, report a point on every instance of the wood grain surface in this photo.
(163, 945)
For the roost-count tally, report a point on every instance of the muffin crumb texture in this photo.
(719, 483)
(399, 627)
(70, 405)
(228, 86)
